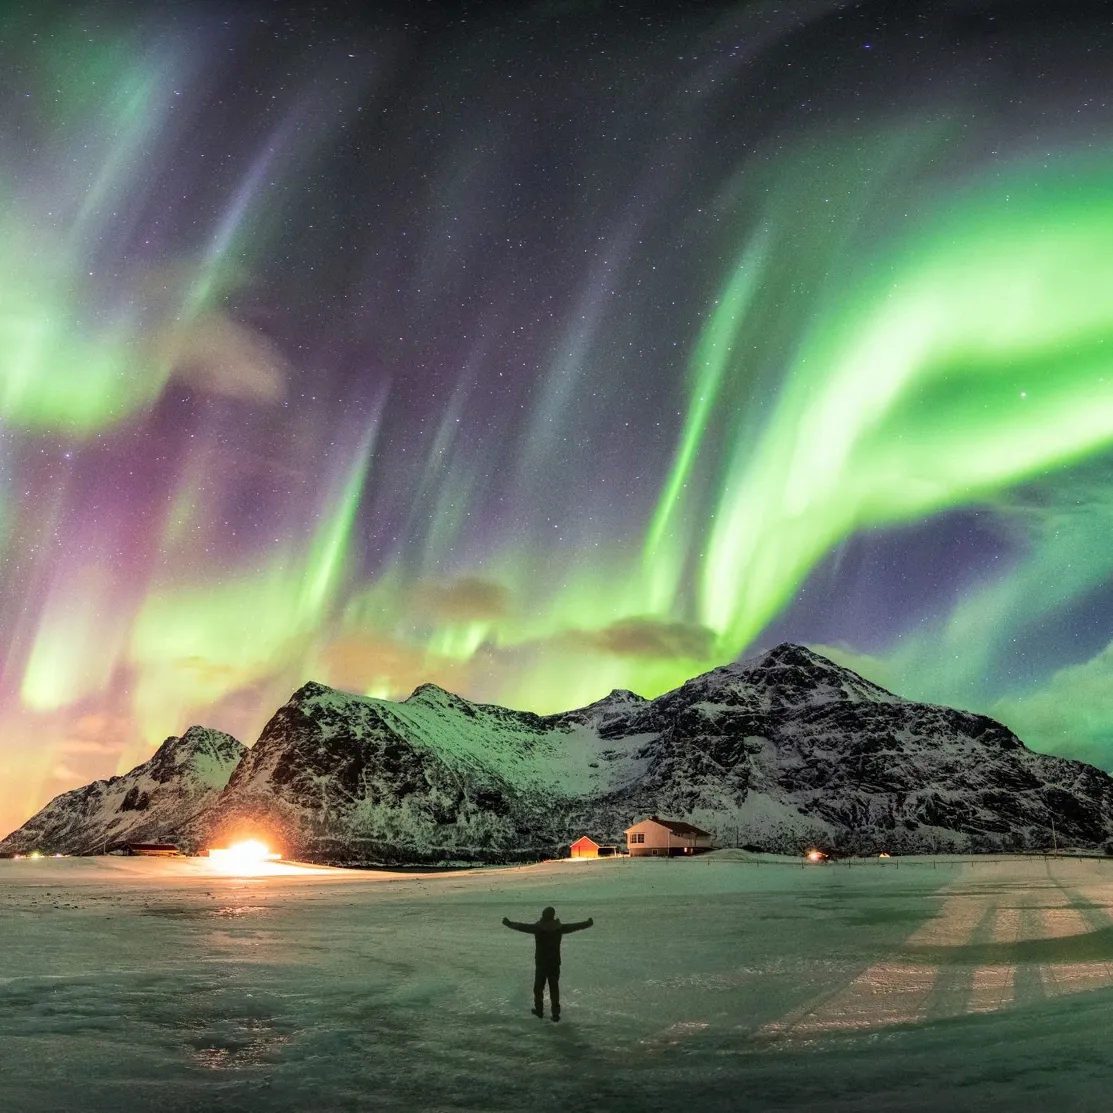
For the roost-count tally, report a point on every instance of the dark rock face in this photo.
(777, 753)
(340, 777)
(155, 802)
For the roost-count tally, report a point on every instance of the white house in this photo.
(665, 838)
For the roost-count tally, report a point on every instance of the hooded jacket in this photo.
(547, 935)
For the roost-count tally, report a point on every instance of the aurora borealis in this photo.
(543, 352)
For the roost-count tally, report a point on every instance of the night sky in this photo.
(544, 349)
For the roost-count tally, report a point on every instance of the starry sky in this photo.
(537, 350)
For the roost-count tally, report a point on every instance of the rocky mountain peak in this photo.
(623, 695)
(431, 693)
(152, 803)
(789, 668)
(618, 706)
(309, 691)
(617, 699)
(201, 753)
(198, 741)
(792, 655)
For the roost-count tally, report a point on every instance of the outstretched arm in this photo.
(577, 927)
(516, 926)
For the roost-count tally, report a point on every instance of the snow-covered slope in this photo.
(777, 752)
(792, 732)
(152, 803)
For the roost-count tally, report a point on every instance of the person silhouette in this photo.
(547, 934)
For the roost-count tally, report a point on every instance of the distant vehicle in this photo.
(883, 855)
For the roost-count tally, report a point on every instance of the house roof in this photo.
(584, 838)
(676, 826)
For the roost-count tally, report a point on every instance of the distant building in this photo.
(665, 838)
(152, 849)
(587, 848)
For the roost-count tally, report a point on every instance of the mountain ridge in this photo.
(779, 751)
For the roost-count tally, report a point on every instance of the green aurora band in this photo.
(937, 375)
(945, 366)
(941, 374)
(976, 357)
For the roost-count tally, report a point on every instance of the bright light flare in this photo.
(243, 854)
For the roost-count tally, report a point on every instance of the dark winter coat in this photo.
(547, 935)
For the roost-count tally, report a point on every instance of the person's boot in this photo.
(537, 1009)
(556, 1014)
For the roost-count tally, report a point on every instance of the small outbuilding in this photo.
(584, 847)
(665, 838)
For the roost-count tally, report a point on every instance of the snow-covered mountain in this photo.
(154, 802)
(777, 752)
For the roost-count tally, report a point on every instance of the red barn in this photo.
(588, 848)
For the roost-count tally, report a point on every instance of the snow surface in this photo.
(731, 981)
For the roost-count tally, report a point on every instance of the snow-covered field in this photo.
(131, 984)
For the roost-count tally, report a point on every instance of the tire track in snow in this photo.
(1082, 912)
(908, 987)
(957, 986)
(993, 984)
(899, 990)
(987, 949)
